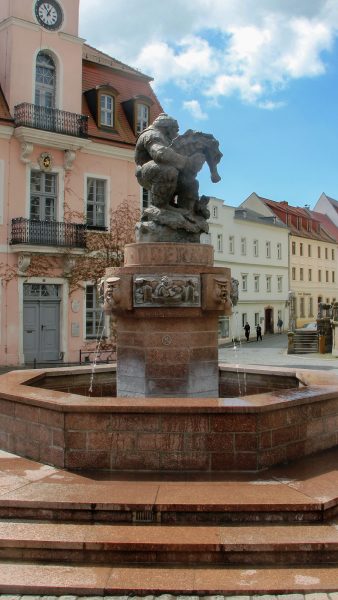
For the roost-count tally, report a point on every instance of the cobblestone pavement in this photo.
(312, 596)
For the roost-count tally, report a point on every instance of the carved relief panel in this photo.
(166, 290)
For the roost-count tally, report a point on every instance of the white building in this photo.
(255, 247)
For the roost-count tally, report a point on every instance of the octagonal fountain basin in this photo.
(263, 417)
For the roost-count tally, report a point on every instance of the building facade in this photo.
(312, 257)
(69, 120)
(255, 247)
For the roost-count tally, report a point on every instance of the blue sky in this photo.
(260, 75)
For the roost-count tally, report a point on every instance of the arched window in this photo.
(45, 76)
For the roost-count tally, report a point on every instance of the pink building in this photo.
(69, 117)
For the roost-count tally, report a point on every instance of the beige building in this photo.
(312, 256)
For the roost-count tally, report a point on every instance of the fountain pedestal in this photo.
(167, 300)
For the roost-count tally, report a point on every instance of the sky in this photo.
(260, 75)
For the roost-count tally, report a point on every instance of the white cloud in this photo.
(248, 48)
(194, 107)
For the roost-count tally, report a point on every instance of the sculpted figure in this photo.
(112, 296)
(167, 166)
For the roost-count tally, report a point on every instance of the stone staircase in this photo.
(79, 533)
(305, 342)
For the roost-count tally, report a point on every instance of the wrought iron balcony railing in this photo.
(50, 119)
(48, 233)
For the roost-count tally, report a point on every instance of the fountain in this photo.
(167, 405)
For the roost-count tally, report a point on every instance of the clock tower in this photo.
(29, 29)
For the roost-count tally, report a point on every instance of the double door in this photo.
(41, 323)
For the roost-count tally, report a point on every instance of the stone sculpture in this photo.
(167, 166)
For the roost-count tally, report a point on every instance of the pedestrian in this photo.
(279, 325)
(247, 331)
(259, 332)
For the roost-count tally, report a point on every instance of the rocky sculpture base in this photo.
(168, 298)
(172, 224)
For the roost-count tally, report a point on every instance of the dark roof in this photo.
(333, 202)
(247, 214)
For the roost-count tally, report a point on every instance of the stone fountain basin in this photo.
(277, 415)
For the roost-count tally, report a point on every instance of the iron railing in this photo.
(48, 233)
(51, 119)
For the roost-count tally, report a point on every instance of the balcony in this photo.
(51, 119)
(48, 233)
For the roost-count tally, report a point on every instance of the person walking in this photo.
(259, 332)
(279, 325)
(247, 331)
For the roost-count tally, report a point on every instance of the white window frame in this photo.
(256, 283)
(244, 278)
(106, 112)
(243, 246)
(279, 251)
(268, 283)
(268, 249)
(255, 248)
(219, 242)
(87, 177)
(97, 308)
(231, 244)
(142, 121)
(279, 283)
(215, 212)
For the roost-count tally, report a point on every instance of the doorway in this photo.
(41, 322)
(269, 326)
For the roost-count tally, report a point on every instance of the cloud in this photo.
(194, 107)
(248, 48)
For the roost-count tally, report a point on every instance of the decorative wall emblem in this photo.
(45, 161)
(167, 290)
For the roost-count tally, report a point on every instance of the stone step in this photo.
(63, 498)
(170, 545)
(48, 579)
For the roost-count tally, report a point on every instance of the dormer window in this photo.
(102, 104)
(142, 117)
(137, 111)
(107, 110)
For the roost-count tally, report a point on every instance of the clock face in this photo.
(49, 14)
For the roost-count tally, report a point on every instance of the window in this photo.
(327, 276)
(244, 283)
(310, 307)
(293, 273)
(43, 196)
(231, 244)
(318, 251)
(309, 250)
(279, 283)
(301, 249)
(96, 202)
(243, 246)
(293, 248)
(279, 251)
(255, 247)
(256, 319)
(94, 313)
(219, 242)
(310, 274)
(45, 81)
(107, 104)
(223, 327)
(142, 117)
(301, 274)
(268, 249)
(215, 212)
(319, 275)
(333, 277)
(332, 254)
(268, 283)
(244, 319)
(326, 253)
(301, 307)
(256, 283)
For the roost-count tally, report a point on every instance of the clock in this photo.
(49, 14)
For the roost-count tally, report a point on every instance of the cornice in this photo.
(53, 140)
(6, 132)
(20, 22)
(71, 38)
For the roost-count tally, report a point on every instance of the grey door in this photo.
(41, 323)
